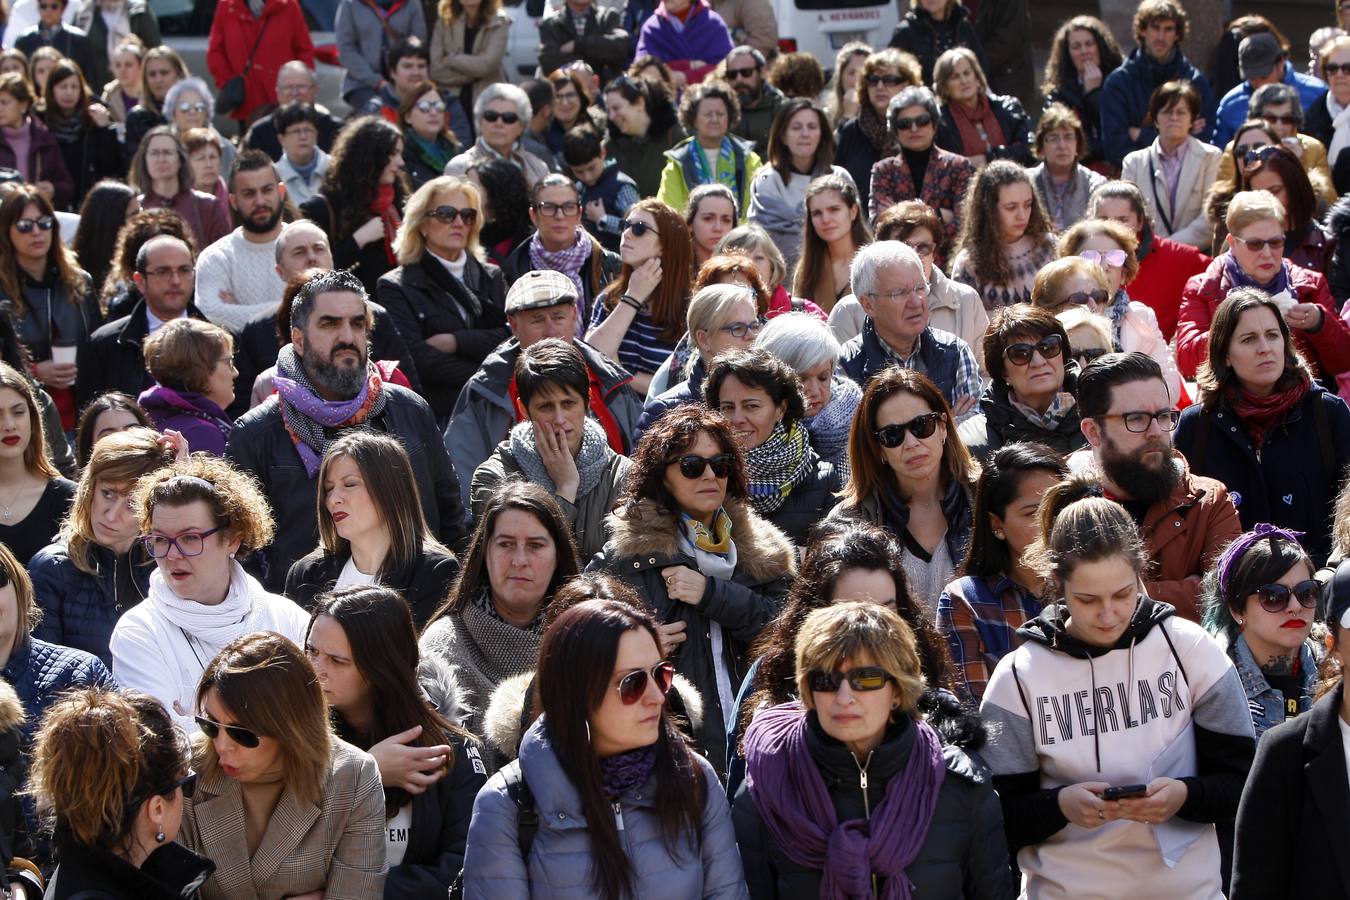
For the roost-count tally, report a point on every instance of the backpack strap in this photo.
(1197, 455)
(527, 817)
(1324, 439)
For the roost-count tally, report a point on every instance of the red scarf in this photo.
(383, 206)
(979, 128)
(1261, 414)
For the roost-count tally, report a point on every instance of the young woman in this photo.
(192, 363)
(162, 173)
(123, 92)
(160, 70)
(929, 816)
(106, 414)
(491, 622)
(428, 143)
(363, 648)
(1005, 236)
(643, 125)
(1251, 136)
(864, 140)
(83, 130)
(468, 44)
(1082, 53)
(710, 213)
(33, 495)
(283, 805)
(28, 147)
(977, 123)
(107, 207)
(1176, 735)
(638, 812)
(114, 772)
(97, 569)
(998, 590)
(642, 314)
(197, 516)
(711, 154)
(801, 149)
(835, 229)
(842, 103)
(371, 529)
(910, 474)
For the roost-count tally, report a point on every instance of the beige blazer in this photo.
(337, 846)
(452, 68)
(1199, 170)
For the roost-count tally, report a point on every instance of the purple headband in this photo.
(1243, 542)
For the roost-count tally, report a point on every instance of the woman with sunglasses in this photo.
(1264, 426)
(196, 517)
(690, 542)
(1277, 170)
(1251, 137)
(1032, 382)
(622, 804)
(1255, 258)
(500, 116)
(1089, 334)
(113, 770)
(1005, 236)
(188, 105)
(852, 785)
(911, 474)
(428, 142)
(1092, 796)
(865, 139)
(446, 301)
(285, 807)
(381, 699)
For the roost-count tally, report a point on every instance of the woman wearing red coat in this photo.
(235, 30)
(1254, 258)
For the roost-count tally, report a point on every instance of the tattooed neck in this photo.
(1278, 665)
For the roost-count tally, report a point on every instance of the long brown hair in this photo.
(1214, 375)
(980, 238)
(815, 258)
(669, 303)
(35, 460)
(59, 256)
(118, 459)
(1059, 67)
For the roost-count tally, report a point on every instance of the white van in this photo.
(822, 27)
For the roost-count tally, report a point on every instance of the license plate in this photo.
(839, 38)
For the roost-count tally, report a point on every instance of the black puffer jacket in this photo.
(1338, 273)
(42, 672)
(925, 37)
(1012, 118)
(809, 502)
(79, 609)
(1000, 423)
(91, 873)
(964, 853)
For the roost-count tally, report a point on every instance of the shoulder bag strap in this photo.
(256, 41)
(394, 36)
(1197, 454)
(527, 817)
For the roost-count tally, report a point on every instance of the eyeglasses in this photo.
(921, 426)
(430, 106)
(187, 106)
(1113, 258)
(888, 80)
(1260, 154)
(739, 330)
(1280, 120)
(41, 223)
(863, 678)
(1048, 347)
(919, 290)
(237, 733)
(1336, 68)
(570, 208)
(733, 74)
(1255, 244)
(1139, 422)
(569, 97)
(923, 248)
(509, 118)
(183, 272)
(1091, 353)
(448, 214)
(1275, 597)
(692, 466)
(301, 131)
(915, 123)
(638, 228)
(633, 685)
(1082, 298)
(190, 544)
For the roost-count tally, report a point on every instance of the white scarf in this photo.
(211, 626)
(1340, 121)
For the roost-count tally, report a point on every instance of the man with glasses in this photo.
(888, 280)
(760, 101)
(1261, 61)
(296, 83)
(1186, 520)
(541, 304)
(112, 359)
(581, 30)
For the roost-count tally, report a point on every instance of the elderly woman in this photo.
(1176, 171)
(1324, 120)
(865, 139)
(446, 302)
(1254, 258)
(689, 541)
(205, 149)
(643, 125)
(806, 818)
(1263, 426)
(711, 155)
(1251, 136)
(1006, 236)
(937, 177)
(162, 173)
(428, 143)
(188, 104)
(977, 123)
(500, 115)
(1030, 395)
(192, 363)
(1063, 183)
(1279, 107)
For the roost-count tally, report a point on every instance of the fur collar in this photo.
(441, 685)
(762, 551)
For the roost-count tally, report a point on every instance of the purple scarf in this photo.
(569, 262)
(306, 414)
(621, 773)
(795, 805)
(1239, 278)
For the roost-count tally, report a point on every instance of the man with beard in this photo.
(760, 101)
(236, 276)
(1186, 520)
(327, 385)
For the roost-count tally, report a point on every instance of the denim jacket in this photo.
(1265, 702)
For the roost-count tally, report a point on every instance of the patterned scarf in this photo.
(384, 207)
(829, 427)
(434, 154)
(620, 774)
(309, 418)
(723, 169)
(777, 466)
(591, 459)
(876, 132)
(716, 539)
(1261, 414)
(500, 648)
(569, 262)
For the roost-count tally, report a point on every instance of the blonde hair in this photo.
(848, 632)
(1048, 288)
(409, 245)
(1249, 207)
(182, 354)
(1081, 319)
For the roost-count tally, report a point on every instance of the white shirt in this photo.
(351, 575)
(397, 828)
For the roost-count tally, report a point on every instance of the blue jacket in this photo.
(1233, 107)
(688, 391)
(79, 610)
(939, 357)
(1126, 93)
(559, 862)
(41, 672)
(1265, 702)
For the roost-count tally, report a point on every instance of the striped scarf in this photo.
(777, 466)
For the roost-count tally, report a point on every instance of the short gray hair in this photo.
(801, 340)
(913, 95)
(741, 49)
(870, 260)
(290, 228)
(296, 65)
(181, 87)
(1274, 95)
(503, 91)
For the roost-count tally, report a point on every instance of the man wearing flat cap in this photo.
(540, 304)
(1261, 61)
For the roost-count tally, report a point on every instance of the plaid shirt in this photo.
(968, 380)
(979, 617)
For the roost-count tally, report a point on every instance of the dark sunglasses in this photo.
(509, 118)
(733, 74)
(1082, 298)
(1260, 154)
(237, 733)
(1280, 120)
(1275, 597)
(188, 783)
(1048, 347)
(448, 214)
(638, 228)
(923, 248)
(863, 678)
(692, 466)
(41, 223)
(633, 685)
(1255, 244)
(921, 426)
(888, 80)
(907, 123)
(1336, 69)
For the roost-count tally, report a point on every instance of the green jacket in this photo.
(677, 178)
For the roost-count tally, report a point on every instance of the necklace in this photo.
(6, 509)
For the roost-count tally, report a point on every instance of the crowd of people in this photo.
(694, 471)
